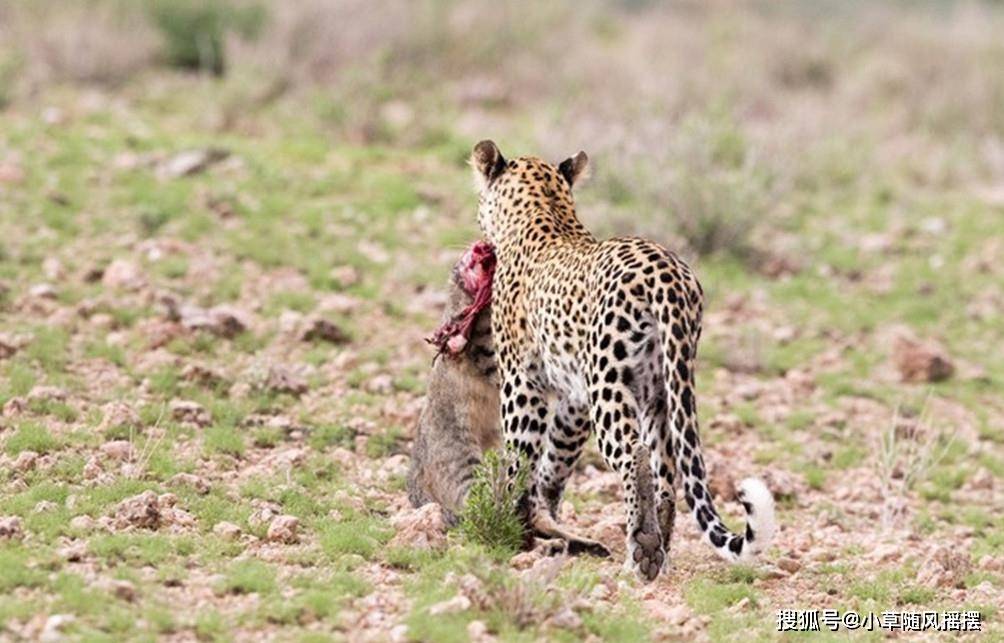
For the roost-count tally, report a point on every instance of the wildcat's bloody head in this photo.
(474, 274)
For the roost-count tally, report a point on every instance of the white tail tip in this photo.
(760, 515)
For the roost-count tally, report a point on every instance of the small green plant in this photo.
(490, 517)
(195, 31)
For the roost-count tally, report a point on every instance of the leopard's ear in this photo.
(487, 161)
(574, 168)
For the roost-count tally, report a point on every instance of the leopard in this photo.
(460, 420)
(600, 336)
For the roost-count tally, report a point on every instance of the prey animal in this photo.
(461, 418)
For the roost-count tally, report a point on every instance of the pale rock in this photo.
(944, 567)
(189, 412)
(227, 530)
(565, 619)
(92, 468)
(43, 506)
(14, 406)
(524, 559)
(283, 529)
(25, 461)
(118, 414)
(421, 528)
(52, 631)
(380, 384)
(919, 361)
(281, 379)
(142, 511)
(123, 274)
(83, 523)
(789, 565)
(42, 393)
(198, 483)
(117, 450)
(43, 291)
(11, 528)
(458, 603)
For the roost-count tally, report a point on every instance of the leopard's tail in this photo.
(679, 344)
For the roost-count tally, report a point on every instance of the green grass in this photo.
(31, 436)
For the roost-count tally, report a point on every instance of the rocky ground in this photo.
(212, 359)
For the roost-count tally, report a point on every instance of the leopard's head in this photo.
(512, 193)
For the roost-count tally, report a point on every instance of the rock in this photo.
(118, 415)
(11, 173)
(919, 361)
(14, 406)
(227, 530)
(117, 450)
(720, 481)
(141, 511)
(781, 483)
(10, 528)
(123, 274)
(283, 529)
(676, 615)
(43, 291)
(885, 553)
(477, 631)
(421, 528)
(222, 321)
(524, 559)
(42, 393)
(53, 630)
(981, 480)
(565, 619)
(44, 505)
(10, 344)
(190, 162)
(92, 468)
(381, 384)
(25, 461)
(189, 480)
(263, 514)
(789, 565)
(83, 523)
(189, 412)
(122, 589)
(458, 603)
(319, 328)
(944, 567)
(345, 275)
(74, 552)
(283, 380)
(202, 375)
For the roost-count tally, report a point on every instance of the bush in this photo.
(194, 31)
(490, 517)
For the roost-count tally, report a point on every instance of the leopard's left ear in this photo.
(488, 163)
(574, 168)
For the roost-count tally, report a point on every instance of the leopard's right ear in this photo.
(488, 163)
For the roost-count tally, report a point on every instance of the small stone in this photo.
(919, 361)
(199, 484)
(458, 603)
(345, 275)
(283, 529)
(14, 407)
(74, 552)
(227, 530)
(42, 393)
(25, 461)
(477, 630)
(189, 412)
(43, 291)
(82, 523)
(117, 415)
(141, 511)
(524, 559)
(190, 162)
(789, 565)
(201, 375)
(123, 274)
(381, 384)
(283, 380)
(944, 567)
(321, 329)
(10, 528)
(92, 468)
(566, 619)
(53, 630)
(123, 589)
(421, 528)
(43, 506)
(117, 450)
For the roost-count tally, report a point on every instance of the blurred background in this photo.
(224, 227)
